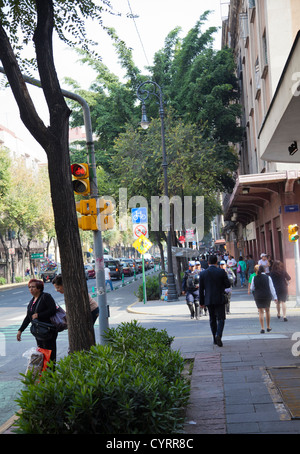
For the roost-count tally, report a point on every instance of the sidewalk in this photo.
(235, 389)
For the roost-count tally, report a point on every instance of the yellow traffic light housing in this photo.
(106, 218)
(81, 182)
(293, 233)
(89, 209)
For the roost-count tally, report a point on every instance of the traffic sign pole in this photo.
(144, 281)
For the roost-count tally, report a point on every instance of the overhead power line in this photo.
(133, 18)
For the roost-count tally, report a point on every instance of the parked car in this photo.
(128, 266)
(115, 268)
(139, 265)
(90, 271)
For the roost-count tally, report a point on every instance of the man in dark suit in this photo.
(213, 283)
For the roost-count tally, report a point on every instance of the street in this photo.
(190, 335)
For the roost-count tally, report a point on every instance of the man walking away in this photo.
(213, 283)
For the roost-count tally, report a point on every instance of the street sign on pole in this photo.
(139, 215)
(37, 255)
(140, 229)
(142, 245)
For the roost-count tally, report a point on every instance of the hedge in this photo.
(132, 385)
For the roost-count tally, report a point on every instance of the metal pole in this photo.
(98, 244)
(297, 262)
(172, 291)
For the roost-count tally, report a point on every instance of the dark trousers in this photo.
(217, 318)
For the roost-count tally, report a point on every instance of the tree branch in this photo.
(13, 73)
(44, 53)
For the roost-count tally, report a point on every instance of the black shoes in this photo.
(218, 341)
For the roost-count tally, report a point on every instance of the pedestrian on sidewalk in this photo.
(255, 269)
(264, 262)
(190, 288)
(213, 282)
(242, 266)
(41, 307)
(280, 280)
(108, 277)
(58, 284)
(228, 291)
(264, 292)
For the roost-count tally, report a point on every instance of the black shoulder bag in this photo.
(41, 330)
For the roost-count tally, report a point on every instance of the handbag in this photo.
(59, 320)
(42, 330)
(238, 270)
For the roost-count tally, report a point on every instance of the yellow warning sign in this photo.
(142, 244)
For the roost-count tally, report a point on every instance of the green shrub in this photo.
(2, 281)
(152, 289)
(132, 385)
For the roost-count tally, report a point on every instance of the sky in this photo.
(145, 35)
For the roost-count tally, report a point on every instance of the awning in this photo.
(220, 242)
(281, 127)
(251, 192)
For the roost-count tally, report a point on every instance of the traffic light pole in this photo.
(98, 244)
(297, 262)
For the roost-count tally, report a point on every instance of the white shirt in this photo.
(231, 263)
(265, 264)
(271, 286)
(107, 273)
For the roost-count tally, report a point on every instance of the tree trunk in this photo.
(54, 140)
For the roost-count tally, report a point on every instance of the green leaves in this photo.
(133, 385)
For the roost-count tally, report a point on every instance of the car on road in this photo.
(139, 265)
(115, 268)
(89, 271)
(128, 266)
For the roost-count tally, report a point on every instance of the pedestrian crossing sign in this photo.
(142, 244)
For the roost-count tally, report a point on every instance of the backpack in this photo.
(192, 281)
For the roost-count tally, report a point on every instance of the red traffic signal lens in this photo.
(78, 170)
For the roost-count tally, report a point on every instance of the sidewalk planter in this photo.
(132, 385)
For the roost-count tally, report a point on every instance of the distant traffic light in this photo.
(89, 209)
(106, 218)
(81, 183)
(293, 233)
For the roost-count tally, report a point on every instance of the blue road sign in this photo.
(139, 215)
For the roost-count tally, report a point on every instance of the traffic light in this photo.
(293, 233)
(89, 209)
(106, 218)
(81, 183)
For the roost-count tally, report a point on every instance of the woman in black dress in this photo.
(280, 280)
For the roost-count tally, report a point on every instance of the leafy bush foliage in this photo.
(132, 385)
(152, 289)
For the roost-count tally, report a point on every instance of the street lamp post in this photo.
(143, 94)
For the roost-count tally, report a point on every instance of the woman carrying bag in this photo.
(264, 292)
(41, 307)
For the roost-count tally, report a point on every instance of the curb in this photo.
(5, 428)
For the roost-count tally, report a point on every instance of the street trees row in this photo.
(201, 102)
(25, 206)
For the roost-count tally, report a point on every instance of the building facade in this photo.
(265, 38)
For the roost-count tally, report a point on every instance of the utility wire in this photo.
(132, 16)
